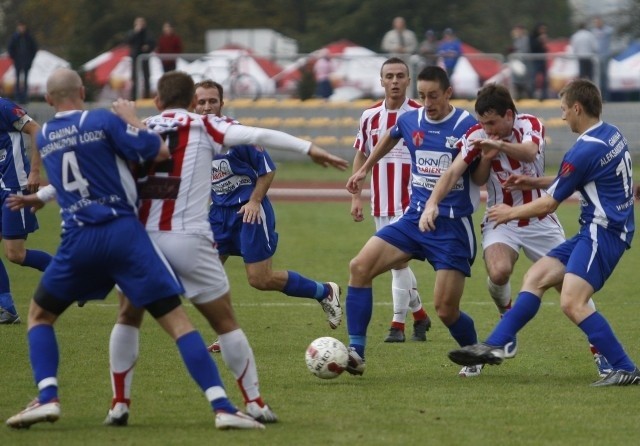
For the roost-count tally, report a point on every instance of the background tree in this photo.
(78, 30)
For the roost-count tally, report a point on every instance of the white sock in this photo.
(237, 354)
(501, 294)
(401, 285)
(123, 353)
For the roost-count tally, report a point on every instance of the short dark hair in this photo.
(176, 90)
(494, 97)
(208, 83)
(394, 60)
(585, 93)
(437, 74)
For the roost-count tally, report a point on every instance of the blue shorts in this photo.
(451, 246)
(594, 261)
(91, 259)
(253, 242)
(16, 224)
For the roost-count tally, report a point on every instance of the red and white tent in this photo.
(43, 65)
(262, 75)
(357, 70)
(111, 71)
(472, 70)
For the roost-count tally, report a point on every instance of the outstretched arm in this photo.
(274, 139)
(525, 182)
(502, 213)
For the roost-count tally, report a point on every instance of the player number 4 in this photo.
(72, 179)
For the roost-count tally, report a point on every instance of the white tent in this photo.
(43, 65)
(240, 72)
(624, 70)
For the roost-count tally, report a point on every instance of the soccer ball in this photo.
(326, 357)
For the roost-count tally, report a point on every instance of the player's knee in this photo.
(15, 256)
(500, 276)
(358, 270)
(260, 282)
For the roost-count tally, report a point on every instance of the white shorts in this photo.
(536, 239)
(196, 262)
(381, 222)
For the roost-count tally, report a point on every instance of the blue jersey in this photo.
(433, 145)
(14, 163)
(598, 166)
(85, 154)
(234, 174)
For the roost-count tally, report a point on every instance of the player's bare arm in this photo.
(33, 180)
(502, 213)
(480, 174)
(443, 187)
(251, 209)
(384, 146)
(127, 111)
(357, 211)
(17, 202)
(526, 182)
(525, 152)
(326, 159)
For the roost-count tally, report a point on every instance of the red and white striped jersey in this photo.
(174, 194)
(391, 176)
(525, 128)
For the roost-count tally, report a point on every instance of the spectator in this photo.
(322, 70)
(538, 45)
(169, 43)
(399, 40)
(22, 50)
(140, 42)
(519, 67)
(450, 49)
(585, 46)
(428, 48)
(603, 33)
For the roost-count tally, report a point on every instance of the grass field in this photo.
(410, 393)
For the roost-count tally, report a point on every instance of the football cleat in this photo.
(237, 420)
(215, 347)
(475, 354)
(7, 318)
(395, 335)
(35, 413)
(118, 415)
(356, 364)
(331, 305)
(420, 329)
(619, 378)
(261, 413)
(470, 371)
(604, 368)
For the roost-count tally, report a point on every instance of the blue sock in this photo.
(359, 306)
(43, 353)
(202, 368)
(601, 335)
(36, 259)
(299, 286)
(6, 301)
(526, 306)
(463, 330)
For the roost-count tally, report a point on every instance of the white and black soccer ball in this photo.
(326, 357)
